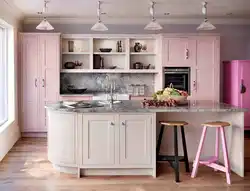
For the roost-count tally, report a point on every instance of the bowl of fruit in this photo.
(171, 93)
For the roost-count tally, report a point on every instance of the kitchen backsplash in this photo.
(100, 82)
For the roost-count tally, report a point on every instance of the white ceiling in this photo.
(134, 10)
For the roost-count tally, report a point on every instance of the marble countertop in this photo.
(136, 106)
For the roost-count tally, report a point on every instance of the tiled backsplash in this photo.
(100, 82)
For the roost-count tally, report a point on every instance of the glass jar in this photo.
(131, 89)
(136, 89)
(71, 45)
(142, 89)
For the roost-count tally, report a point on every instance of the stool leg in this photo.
(177, 172)
(185, 149)
(225, 154)
(217, 146)
(159, 141)
(197, 158)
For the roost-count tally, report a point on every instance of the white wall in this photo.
(10, 132)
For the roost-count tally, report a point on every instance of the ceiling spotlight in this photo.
(153, 24)
(99, 25)
(44, 25)
(205, 25)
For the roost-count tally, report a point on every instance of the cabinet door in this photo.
(135, 139)
(98, 140)
(207, 73)
(179, 52)
(49, 74)
(244, 70)
(30, 82)
(62, 138)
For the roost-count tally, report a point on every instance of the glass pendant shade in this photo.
(99, 26)
(153, 25)
(45, 25)
(206, 25)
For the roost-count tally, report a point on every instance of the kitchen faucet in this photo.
(112, 87)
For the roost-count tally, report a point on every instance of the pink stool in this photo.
(212, 161)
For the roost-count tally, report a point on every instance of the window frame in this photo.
(4, 67)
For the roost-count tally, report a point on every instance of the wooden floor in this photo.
(26, 168)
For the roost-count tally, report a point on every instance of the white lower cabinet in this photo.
(62, 138)
(111, 144)
(115, 140)
(135, 139)
(97, 142)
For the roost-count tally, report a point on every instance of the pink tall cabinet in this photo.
(236, 89)
(40, 63)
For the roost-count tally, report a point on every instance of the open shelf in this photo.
(142, 71)
(76, 53)
(76, 45)
(110, 53)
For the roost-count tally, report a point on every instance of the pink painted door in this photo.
(206, 85)
(179, 51)
(244, 71)
(30, 82)
(49, 74)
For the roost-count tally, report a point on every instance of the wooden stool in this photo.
(212, 161)
(174, 160)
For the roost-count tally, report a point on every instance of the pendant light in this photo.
(99, 26)
(205, 25)
(44, 25)
(153, 25)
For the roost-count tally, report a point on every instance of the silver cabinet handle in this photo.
(187, 54)
(112, 123)
(35, 82)
(194, 85)
(123, 124)
(43, 83)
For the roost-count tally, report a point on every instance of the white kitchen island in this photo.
(121, 140)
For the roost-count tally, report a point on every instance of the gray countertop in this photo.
(136, 106)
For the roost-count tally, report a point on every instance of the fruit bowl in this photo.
(177, 98)
(171, 93)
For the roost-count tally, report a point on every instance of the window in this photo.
(3, 75)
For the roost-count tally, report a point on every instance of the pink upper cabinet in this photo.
(179, 51)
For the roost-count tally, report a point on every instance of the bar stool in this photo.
(174, 160)
(213, 161)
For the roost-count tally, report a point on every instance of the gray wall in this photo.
(235, 39)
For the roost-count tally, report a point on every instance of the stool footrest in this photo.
(169, 158)
(209, 160)
(217, 167)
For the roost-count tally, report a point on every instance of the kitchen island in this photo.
(120, 139)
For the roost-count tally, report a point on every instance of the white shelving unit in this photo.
(86, 50)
